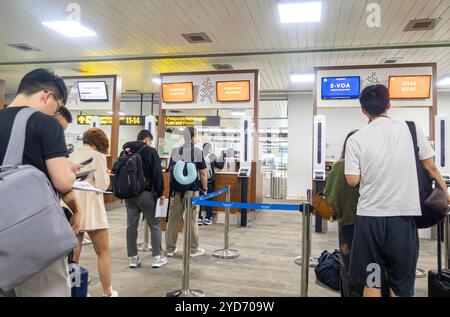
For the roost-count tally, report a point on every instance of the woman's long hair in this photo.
(345, 143)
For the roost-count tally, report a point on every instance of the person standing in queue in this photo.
(380, 159)
(145, 203)
(93, 212)
(344, 200)
(186, 165)
(45, 149)
(212, 162)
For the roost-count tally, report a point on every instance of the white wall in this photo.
(300, 113)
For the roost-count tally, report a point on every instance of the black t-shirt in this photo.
(44, 138)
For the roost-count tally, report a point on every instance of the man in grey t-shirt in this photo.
(380, 159)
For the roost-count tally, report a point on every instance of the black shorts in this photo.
(390, 243)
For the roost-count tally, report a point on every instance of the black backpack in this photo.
(328, 270)
(175, 186)
(128, 179)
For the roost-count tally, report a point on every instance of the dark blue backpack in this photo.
(328, 270)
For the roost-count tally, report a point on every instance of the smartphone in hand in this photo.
(87, 162)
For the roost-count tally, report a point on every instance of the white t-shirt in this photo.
(382, 154)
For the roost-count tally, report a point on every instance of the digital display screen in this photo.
(233, 91)
(341, 87)
(107, 120)
(92, 91)
(410, 87)
(178, 92)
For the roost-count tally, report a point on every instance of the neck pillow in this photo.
(185, 173)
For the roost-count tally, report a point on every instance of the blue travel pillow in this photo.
(185, 173)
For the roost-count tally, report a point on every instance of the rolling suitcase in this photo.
(80, 280)
(439, 281)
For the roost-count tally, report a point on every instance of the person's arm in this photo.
(204, 179)
(70, 200)
(62, 173)
(156, 174)
(101, 175)
(352, 163)
(431, 167)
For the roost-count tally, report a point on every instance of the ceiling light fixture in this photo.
(238, 113)
(120, 113)
(70, 28)
(444, 82)
(301, 12)
(157, 80)
(302, 78)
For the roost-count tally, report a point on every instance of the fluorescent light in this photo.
(302, 78)
(300, 12)
(238, 113)
(444, 82)
(69, 28)
(120, 113)
(157, 80)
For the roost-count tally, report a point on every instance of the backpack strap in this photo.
(16, 145)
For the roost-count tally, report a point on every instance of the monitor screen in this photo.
(410, 87)
(341, 87)
(178, 92)
(92, 91)
(233, 91)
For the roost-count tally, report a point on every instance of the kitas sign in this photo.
(107, 120)
(192, 121)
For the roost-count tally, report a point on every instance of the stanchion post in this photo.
(227, 253)
(185, 291)
(306, 248)
(447, 242)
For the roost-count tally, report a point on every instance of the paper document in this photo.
(85, 186)
(161, 211)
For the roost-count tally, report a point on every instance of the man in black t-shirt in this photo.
(177, 207)
(45, 148)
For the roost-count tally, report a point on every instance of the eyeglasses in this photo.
(60, 105)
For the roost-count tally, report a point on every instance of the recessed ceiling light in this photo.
(300, 12)
(302, 78)
(70, 28)
(238, 113)
(120, 113)
(157, 80)
(444, 82)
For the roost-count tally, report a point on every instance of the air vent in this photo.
(422, 24)
(222, 67)
(132, 91)
(24, 47)
(174, 111)
(391, 60)
(196, 38)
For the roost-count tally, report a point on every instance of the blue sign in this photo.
(341, 87)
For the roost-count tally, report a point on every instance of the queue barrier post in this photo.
(227, 253)
(306, 247)
(447, 242)
(185, 291)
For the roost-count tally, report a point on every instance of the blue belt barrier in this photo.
(208, 203)
(209, 196)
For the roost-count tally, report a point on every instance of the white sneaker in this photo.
(135, 262)
(159, 261)
(208, 222)
(200, 222)
(172, 254)
(112, 294)
(198, 253)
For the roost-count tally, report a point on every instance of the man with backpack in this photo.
(41, 267)
(381, 159)
(186, 164)
(148, 187)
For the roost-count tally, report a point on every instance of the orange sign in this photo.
(178, 92)
(410, 87)
(233, 91)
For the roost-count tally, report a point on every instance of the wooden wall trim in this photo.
(115, 128)
(2, 93)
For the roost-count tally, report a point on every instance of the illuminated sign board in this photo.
(410, 87)
(233, 91)
(92, 91)
(107, 120)
(178, 92)
(341, 87)
(191, 121)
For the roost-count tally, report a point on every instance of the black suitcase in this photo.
(439, 281)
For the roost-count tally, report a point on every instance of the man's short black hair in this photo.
(188, 134)
(144, 134)
(65, 113)
(375, 99)
(43, 79)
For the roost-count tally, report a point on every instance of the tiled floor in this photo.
(265, 267)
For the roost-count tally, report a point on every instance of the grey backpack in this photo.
(34, 232)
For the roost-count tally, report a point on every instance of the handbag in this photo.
(322, 207)
(433, 199)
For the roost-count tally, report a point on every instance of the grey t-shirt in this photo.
(382, 154)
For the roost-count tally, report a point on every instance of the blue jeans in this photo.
(209, 210)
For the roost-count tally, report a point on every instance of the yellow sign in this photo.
(107, 120)
(191, 121)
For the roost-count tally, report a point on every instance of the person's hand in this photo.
(162, 199)
(75, 167)
(75, 222)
